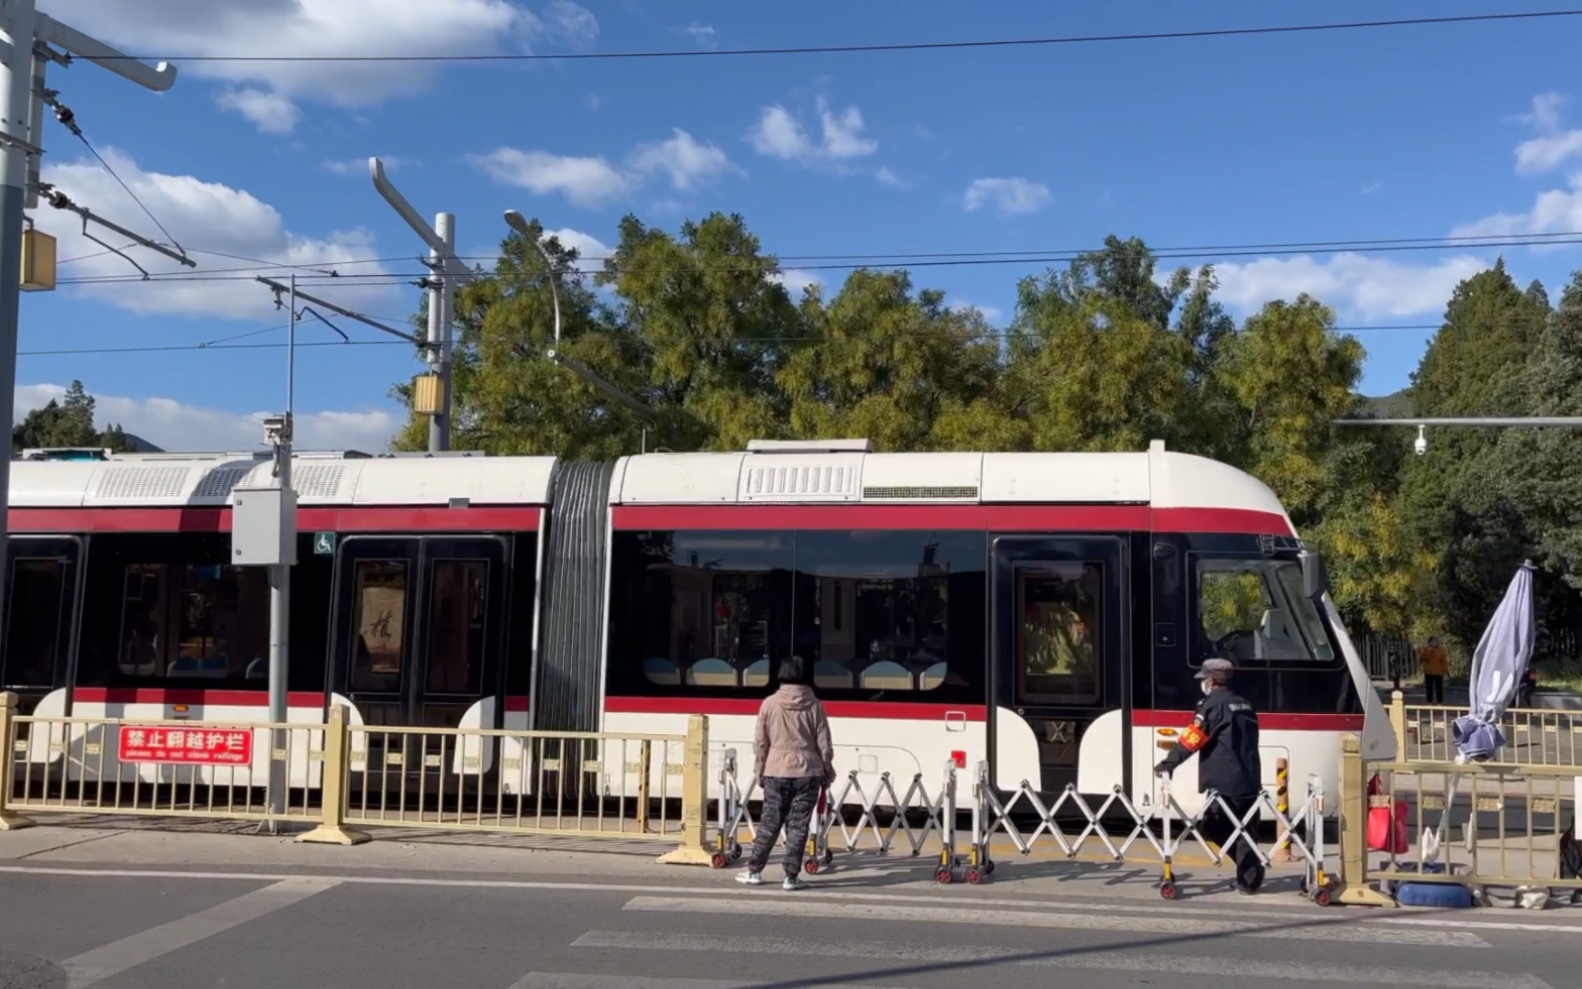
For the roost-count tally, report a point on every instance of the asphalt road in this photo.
(135, 928)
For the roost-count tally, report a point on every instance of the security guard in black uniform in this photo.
(1224, 736)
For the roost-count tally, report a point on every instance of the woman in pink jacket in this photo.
(794, 761)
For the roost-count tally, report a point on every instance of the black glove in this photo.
(1165, 768)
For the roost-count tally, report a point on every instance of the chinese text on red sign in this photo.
(223, 746)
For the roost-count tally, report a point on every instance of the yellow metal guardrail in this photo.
(344, 778)
(1487, 825)
(1533, 737)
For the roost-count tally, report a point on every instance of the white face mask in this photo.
(1208, 687)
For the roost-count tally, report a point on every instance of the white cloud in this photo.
(591, 251)
(796, 281)
(780, 134)
(175, 28)
(685, 159)
(200, 215)
(1554, 211)
(989, 313)
(889, 178)
(1356, 285)
(271, 112)
(594, 181)
(592, 101)
(1553, 146)
(583, 181)
(358, 167)
(703, 34)
(176, 427)
(1372, 187)
(1012, 197)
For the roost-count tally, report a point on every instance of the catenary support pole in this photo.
(440, 300)
(16, 73)
(446, 272)
(280, 586)
(23, 26)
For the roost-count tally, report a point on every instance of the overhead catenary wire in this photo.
(904, 260)
(914, 46)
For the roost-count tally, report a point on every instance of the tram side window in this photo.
(380, 600)
(39, 599)
(202, 621)
(1059, 653)
(1254, 611)
(458, 605)
(700, 609)
(874, 610)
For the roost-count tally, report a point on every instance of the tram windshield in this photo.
(1254, 610)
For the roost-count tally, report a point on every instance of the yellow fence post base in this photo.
(9, 820)
(687, 856)
(693, 849)
(1354, 889)
(326, 835)
(331, 829)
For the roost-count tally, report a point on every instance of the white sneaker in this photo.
(792, 885)
(749, 878)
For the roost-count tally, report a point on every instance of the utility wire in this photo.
(894, 47)
(993, 259)
(901, 258)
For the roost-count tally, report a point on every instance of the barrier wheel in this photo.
(811, 866)
(718, 861)
(974, 877)
(829, 856)
(988, 868)
(1321, 897)
(1168, 891)
(943, 877)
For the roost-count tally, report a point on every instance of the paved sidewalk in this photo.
(512, 859)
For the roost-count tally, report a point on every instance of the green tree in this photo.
(1093, 363)
(68, 422)
(1456, 499)
(903, 370)
(1288, 376)
(714, 327)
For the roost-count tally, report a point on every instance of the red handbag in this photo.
(1387, 831)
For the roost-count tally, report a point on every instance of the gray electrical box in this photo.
(264, 527)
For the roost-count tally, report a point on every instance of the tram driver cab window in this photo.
(1254, 611)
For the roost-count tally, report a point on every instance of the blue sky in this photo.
(1407, 132)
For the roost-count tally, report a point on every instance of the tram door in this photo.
(1059, 662)
(42, 577)
(418, 627)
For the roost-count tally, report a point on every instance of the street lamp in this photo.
(516, 222)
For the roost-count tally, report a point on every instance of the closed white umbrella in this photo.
(1498, 664)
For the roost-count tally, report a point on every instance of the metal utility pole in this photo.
(264, 534)
(448, 272)
(27, 33)
(280, 435)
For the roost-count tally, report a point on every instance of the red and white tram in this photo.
(1044, 612)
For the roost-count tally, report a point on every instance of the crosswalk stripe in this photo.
(566, 980)
(1163, 963)
(1086, 920)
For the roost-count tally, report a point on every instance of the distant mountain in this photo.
(1394, 406)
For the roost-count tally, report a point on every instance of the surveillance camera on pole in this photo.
(1420, 446)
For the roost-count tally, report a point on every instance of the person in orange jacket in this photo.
(1433, 661)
